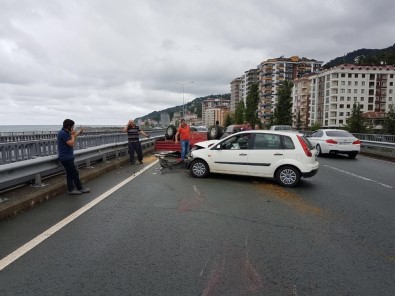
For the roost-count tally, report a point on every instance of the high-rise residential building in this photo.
(334, 92)
(240, 87)
(234, 93)
(164, 119)
(301, 102)
(271, 75)
(215, 109)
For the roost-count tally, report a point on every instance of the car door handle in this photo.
(278, 154)
(243, 154)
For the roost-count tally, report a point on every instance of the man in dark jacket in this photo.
(66, 140)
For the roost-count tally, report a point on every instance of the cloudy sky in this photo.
(105, 61)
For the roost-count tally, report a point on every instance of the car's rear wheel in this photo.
(319, 151)
(170, 132)
(288, 176)
(199, 168)
(352, 154)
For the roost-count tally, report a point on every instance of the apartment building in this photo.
(334, 91)
(301, 101)
(215, 109)
(240, 87)
(273, 72)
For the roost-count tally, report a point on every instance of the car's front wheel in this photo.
(199, 168)
(288, 176)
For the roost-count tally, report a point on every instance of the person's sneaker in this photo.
(140, 161)
(85, 190)
(75, 192)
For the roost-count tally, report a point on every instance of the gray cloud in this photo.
(101, 62)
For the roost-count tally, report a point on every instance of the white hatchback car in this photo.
(281, 155)
(335, 141)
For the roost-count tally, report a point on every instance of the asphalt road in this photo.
(170, 234)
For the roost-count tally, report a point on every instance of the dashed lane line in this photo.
(358, 176)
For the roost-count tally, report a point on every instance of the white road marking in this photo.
(376, 159)
(46, 234)
(360, 177)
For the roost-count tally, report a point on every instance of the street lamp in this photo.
(183, 102)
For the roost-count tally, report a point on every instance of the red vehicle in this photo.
(169, 144)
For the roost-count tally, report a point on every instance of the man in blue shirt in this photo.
(67, 137)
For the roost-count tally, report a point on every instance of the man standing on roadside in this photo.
(67, 137)
(134, 144)
(185, 136)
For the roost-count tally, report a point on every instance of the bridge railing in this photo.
(34, 170)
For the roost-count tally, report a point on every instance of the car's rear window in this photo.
(288, 143)
(339, 134)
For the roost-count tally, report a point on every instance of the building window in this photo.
(356, 75)
(349, 75)
(348, 98)
(355, 99)
(349, 83)
(341, 121)
(356, 82)
(355, 91)
(348, 106)
(363, 83)
(343, 75)
(348, 91)
(363, 75)
(342, 91)
(362, 99)
(362, 91)
(342, 83)
(370, 107)
(341, 106)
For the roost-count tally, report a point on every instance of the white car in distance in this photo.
(272, 154)
(335, 141)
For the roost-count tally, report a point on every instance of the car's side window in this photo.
(236, 142)
(267, 141)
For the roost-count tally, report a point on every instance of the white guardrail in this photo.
(33, 170)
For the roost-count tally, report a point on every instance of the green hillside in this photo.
(365, 56)
(194, 106)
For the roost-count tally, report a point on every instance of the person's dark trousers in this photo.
(135, 146)
(72, 175)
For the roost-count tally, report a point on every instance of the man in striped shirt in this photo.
(134, 144)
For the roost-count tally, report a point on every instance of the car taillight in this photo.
(357, 142)
(304, 146)
(331, 141)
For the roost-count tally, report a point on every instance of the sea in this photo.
(39, 129)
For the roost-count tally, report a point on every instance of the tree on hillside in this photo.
(251, 112)
(389, 121)
(283, 113)
(356, 122)
(239, 113)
